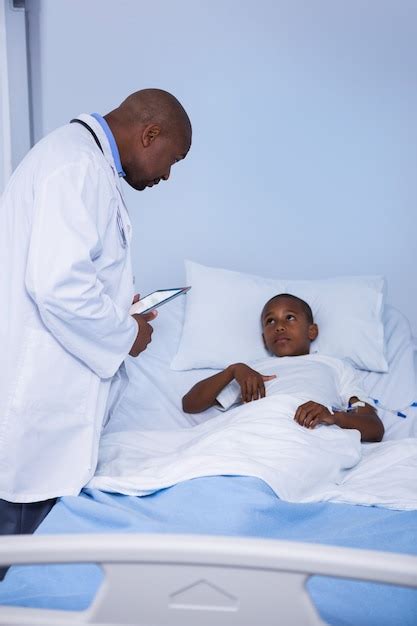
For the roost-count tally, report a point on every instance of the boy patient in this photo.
(326, 387)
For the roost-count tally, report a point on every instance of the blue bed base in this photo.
(227, 505)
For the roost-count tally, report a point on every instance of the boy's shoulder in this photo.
(332, 360)
(271, 363)
(342, 367)
(283, 361)
(328, 358)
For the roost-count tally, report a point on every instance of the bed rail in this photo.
(185, 580)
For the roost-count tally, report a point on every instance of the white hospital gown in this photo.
(323, 379)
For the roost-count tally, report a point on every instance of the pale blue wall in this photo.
(15, 119)
(305, 128)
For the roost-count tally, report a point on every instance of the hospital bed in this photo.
(219, 550)
(183, 580)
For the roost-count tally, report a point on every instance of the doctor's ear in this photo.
(149, 133)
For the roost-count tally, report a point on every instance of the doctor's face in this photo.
(153, 156)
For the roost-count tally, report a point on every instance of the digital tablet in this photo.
(155, 299)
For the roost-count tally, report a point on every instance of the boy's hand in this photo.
(251, 382)
(310, 414)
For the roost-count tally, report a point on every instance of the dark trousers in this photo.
(22, 519)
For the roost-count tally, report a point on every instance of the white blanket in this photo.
(261, 439)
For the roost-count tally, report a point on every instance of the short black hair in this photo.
(306, 307)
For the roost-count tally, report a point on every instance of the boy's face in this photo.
(286, 328)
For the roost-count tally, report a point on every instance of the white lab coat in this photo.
(65, 290)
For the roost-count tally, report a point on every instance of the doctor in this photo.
(65, 291)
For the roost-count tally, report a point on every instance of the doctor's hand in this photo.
(251, 382)
(310, 414)
(145, 330)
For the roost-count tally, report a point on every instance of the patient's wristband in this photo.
(355, 405)
(348, 409)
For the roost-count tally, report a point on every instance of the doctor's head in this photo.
(288, 327)
(152, 132)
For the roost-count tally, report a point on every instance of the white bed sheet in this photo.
(398, 387)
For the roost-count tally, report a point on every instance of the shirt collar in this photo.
(112, 142)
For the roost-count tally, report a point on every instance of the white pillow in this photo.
(223, 308)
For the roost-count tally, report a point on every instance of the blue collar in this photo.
(112, 142)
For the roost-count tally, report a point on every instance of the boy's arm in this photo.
(203, 395)
(362, 418)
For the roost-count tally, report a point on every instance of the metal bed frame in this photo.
(184, 580)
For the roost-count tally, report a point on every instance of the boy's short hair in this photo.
(306, 307)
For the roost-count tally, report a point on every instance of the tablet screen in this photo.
(156, 298)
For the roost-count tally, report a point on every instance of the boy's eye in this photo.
(290, 317)
(270, 320)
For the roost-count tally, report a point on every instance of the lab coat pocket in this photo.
(117, 391)
(51, 381)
